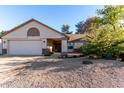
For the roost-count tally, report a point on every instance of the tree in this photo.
(105, 43)
(89, 25)
(79, 27)
(108, 20)
(108, 39)
(2, 32)
(65, 29)
(111, 15)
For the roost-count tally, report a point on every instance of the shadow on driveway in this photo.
(55, 65)
(58, 65)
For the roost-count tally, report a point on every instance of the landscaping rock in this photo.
(93, 56)
(63, 73)
(87, 62)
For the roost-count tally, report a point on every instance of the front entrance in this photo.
(54, 45)
(57, 46)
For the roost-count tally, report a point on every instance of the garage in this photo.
(25, 48)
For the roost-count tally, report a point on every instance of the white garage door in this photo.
(25, 48)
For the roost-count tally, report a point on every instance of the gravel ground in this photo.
(67, 73)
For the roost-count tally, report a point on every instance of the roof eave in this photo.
(30, 21)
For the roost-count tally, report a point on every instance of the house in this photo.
(75, 41)
(33, 37)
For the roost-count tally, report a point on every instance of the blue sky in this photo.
(52, 15)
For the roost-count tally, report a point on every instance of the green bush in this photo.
(100, 51)
(106, 44)
(106, 40)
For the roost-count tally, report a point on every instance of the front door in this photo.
(57, 46)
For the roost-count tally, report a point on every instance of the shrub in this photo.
(121, 56)
(106, 44)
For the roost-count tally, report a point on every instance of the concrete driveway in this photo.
(9, 65)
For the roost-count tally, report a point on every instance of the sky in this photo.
(52, 15)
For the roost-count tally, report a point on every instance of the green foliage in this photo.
(2, 32)
(65, 29)
(107, 40)
(89, 25)
(79, 27)
(105, 43)
(111, 15)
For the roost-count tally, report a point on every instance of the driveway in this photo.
(10, 64)
(50, 72)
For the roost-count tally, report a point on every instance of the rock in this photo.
(93, 56)
(87, 62)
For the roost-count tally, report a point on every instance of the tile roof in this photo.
(74, 37)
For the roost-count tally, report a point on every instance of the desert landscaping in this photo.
(52, 72)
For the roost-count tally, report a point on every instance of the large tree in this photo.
(79, 27)
(109, 37)
(89, 25)
(65, 29)
(111, 15)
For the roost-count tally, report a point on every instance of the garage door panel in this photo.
(25, 48)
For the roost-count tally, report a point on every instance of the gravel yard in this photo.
(58, 73)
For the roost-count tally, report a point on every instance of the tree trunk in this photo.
(114, 28)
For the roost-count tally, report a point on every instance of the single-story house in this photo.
(75, 41)
(32, 37)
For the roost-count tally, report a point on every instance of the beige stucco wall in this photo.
(44, 32)
(64, 46)
(78, 44)
(5, 43)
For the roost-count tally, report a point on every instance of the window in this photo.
(33, 32)
(70, 45)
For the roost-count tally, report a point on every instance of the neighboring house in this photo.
(75, 42)
(32, 37)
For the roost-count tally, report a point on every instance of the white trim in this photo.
(64, 46)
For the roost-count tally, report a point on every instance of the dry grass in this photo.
(53, 72)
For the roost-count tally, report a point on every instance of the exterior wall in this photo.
(5, 43)
(0, 46)
(4, 46)
(44, 32)
(78, 45)
(70, 50)
(44, 43)
(64, 46)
